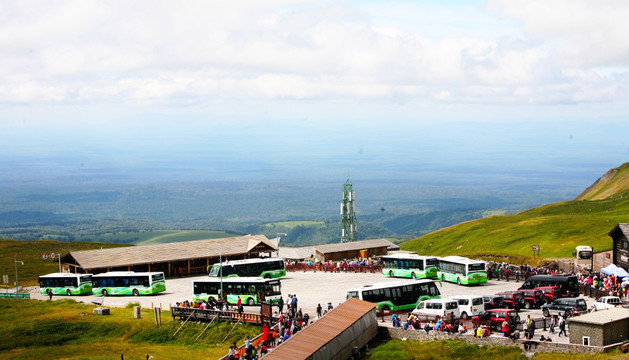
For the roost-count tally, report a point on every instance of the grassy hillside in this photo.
(613, 182)
(31, 253)
(64, 329)
(556, 228)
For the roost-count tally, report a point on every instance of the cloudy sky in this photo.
(380, 88)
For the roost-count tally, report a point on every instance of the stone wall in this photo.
(421, 335)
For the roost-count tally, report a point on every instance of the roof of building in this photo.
(145, 254)
(623, 227)
(355, 245)
(297, 253)
(602, 317)
(313, 337)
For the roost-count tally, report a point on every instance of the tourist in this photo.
(562, 325)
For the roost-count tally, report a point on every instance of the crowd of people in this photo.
(210, 304)
(349, 265)
(610, 284)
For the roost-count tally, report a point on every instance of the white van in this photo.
(469, 305)
(433, 308)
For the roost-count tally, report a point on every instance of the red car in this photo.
(533, 298)
(497, 316)
(513, 299)
(550, 292)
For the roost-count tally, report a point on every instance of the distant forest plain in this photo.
(108, 210)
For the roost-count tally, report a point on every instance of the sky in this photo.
(523, 91)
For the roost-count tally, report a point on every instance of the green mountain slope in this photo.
(614, 181)
(557, 228)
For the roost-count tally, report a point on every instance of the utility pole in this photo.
(16, 286)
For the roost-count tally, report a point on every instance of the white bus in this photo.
(250, 290)
(461, 270)
(582, 256)
(396, 296)
(65, 284)
(128, 283)
(263, 267)
(410, 266)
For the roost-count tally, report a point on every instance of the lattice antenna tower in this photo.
(348, 213)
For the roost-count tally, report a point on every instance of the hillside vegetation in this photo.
(64, 329)
(557, 228)
(613, 182)
(30, 252)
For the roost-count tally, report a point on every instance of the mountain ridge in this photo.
(556, 228)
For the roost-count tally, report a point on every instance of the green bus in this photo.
(128, 283)
(462, 271)
(410, 266)
(396, 296)
(250, 290)
(263, 267)
(65, 284)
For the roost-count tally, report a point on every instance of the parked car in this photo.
(470, 305)
(436, 308)
(513, 299)
(533, 298)
(607, 302)
(493, 301)
(565, 306)
(550, 292)
(497, 316)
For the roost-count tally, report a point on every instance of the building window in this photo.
(586, 341)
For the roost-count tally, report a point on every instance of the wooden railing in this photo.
(207, 315)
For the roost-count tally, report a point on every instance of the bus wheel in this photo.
(390, 273)
(136, 292)
(267, 276)
(68, 292)
(413, 276)
(443, 277)
(458, 281)
(546, 312)
(104, 292)
(250, 302)
(464, 315)
(385, 307)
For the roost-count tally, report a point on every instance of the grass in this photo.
(30, 252)
(557, 228)
(64, 329)
(441, 349)
(396, 349)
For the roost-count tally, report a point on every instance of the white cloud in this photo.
(163, 52)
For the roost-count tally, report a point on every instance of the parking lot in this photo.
(311, 288)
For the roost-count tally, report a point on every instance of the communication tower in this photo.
(348, 213)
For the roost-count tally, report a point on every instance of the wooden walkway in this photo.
(185, 313)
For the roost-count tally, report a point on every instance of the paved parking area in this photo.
(311, 288)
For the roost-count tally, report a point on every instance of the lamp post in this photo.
(16, 286)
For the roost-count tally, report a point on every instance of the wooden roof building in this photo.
(620, 248)
(178, 258)
(350, 250)
(337, 335)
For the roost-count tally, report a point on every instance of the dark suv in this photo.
(565, 306)
(493, 301)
